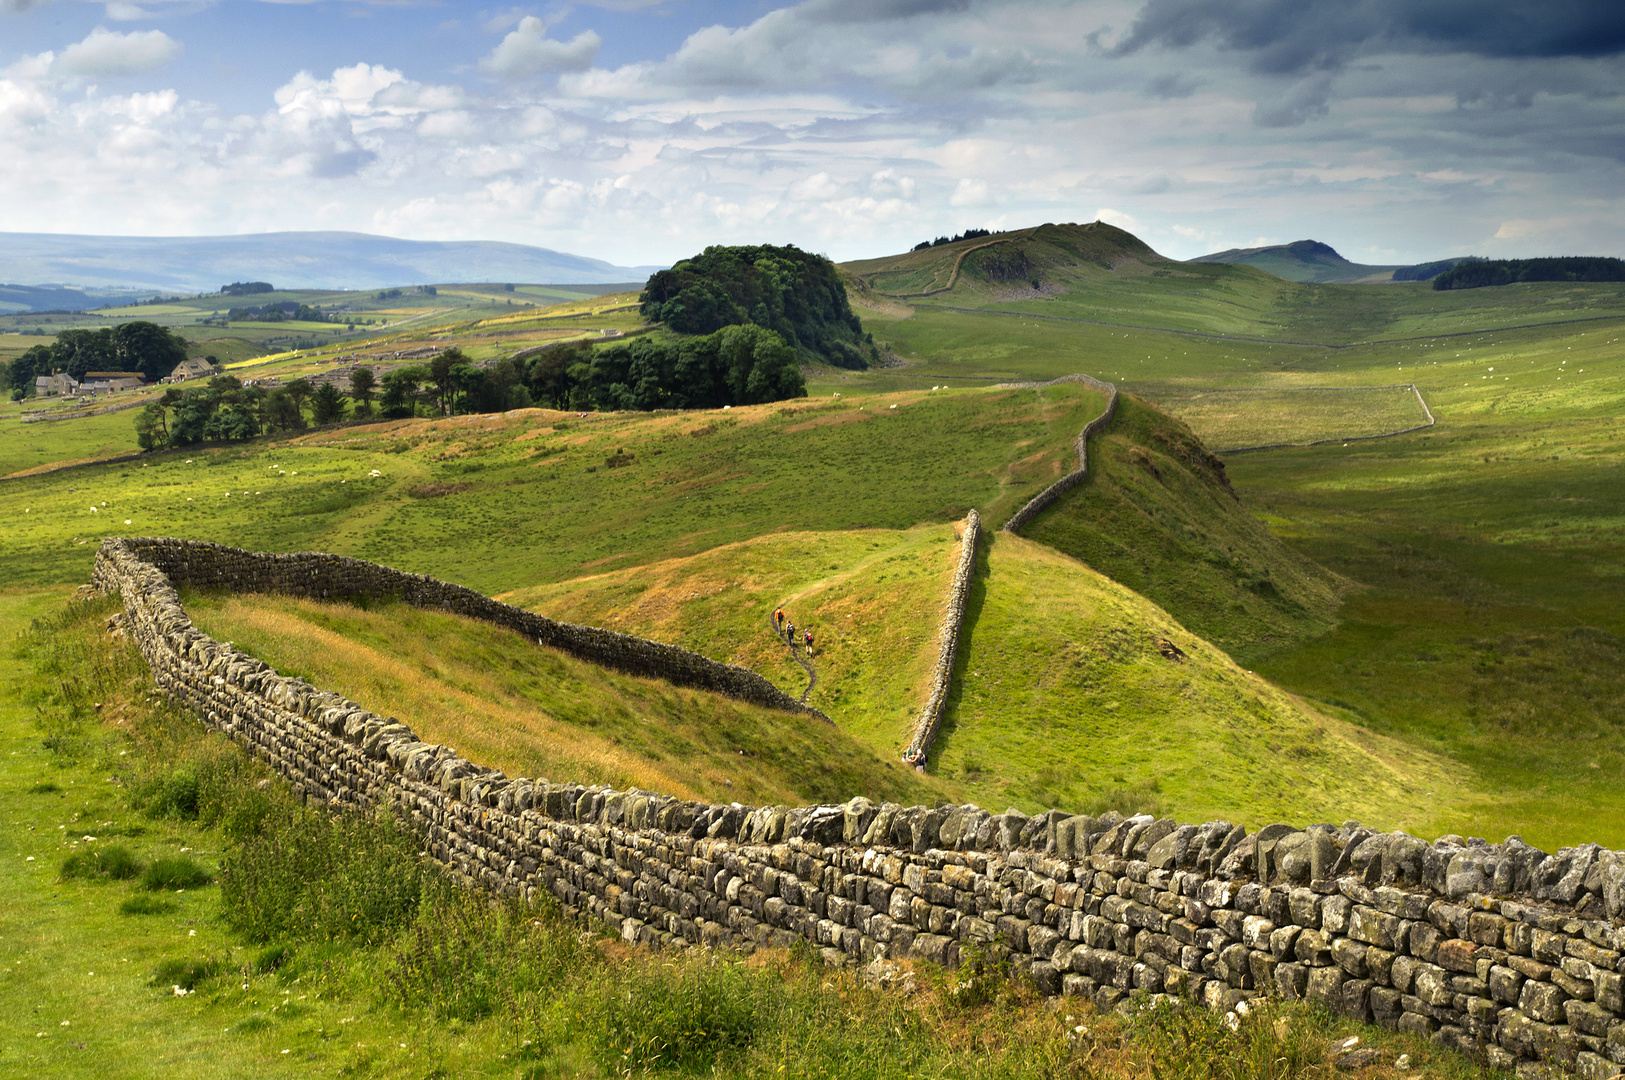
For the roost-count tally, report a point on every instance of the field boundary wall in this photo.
(1412, 387)
(335, 577)
(1043, 499)
(1501, 949)
(929, 721)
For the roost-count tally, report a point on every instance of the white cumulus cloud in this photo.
(108, 52)
(527, 51)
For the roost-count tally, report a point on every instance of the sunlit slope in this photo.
(1159, 516)
(496, 502)
(506, 702)
(1094, 286)
(872, 598)
(1063, 697)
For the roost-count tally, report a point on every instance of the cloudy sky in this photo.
(641, 130)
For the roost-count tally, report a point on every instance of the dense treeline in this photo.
(246, 288)
(968, 234)
(1481, 273)
(738, 365)
(223, 409)
(287, 311)
(795, 294)
(1429, 270)
(146, 347)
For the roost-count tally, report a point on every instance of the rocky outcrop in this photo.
(1500, 949)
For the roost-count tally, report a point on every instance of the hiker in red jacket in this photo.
(809, 642)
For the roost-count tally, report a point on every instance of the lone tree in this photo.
(299, 391)
(363, 383)
(327, 404)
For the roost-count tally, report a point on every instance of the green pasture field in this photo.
(1063, 697)
(1236, 419)
(1158, 514)
(455, 988)
(29, 446)
(872, 598)
(502, 501)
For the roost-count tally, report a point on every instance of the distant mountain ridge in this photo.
(1313, 261)
(290, 260)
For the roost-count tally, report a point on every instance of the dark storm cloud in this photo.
(1290, 36)
(859, 11)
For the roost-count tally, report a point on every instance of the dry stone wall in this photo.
(1042, 500)
(321, 576)
(929, 722)
(1497, 948)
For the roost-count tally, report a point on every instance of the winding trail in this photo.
(812, 672)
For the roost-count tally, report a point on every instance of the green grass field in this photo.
(1520, 388)
(502, 501)
(89, 967)
(1227, 420)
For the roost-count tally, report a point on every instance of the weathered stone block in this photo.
(1372, 927)
(1324, 985)
(1542, 1001)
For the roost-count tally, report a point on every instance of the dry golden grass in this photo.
(505, 702)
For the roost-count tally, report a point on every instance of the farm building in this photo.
(96, 381)
(58, 383)
(194, 367)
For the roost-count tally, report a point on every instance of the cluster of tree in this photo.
(1481, 273)
(450, 384)
(1429, 270)
(225, 410)
(146, 347)
(246, 288)
(286, 311)
(386, 294)
(737, 365)
(968, 234)
(797, 295)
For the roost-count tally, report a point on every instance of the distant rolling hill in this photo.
(1313, 261)
(289, 260)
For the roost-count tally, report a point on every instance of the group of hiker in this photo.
(787, 630)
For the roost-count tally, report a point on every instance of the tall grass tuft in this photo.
(466, 958)
(304, 873)
(115, 862)
(689, 1015)
(175, 872)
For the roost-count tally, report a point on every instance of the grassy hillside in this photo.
(1059, 688)
(90, 965)
(505, 702)
(1064, 697)
(873, 599)
(1159, 516)
(501, 501)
